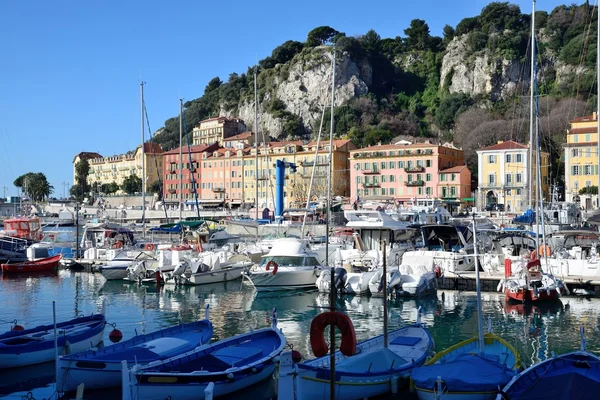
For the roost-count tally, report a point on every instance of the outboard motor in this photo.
(395, 283)
(340, 276)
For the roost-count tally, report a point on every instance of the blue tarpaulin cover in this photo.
(466, 373)
(527, 218)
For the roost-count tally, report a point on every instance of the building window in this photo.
(392, 191)
(587, 170)
(518, 192)
(427, 163)
(400, 164)
(588, 152)
(588, 137)
(575, 139)
(491, 179)
(508, 158)
(575, 152)
(588, 183)
(519, 178)
(428, 190)
(453, 191)
(575, 170)
(453, 177)
(392, 164)
(442, 177)
(508, 179)
(428, 177)
(358, 179)
(491, 159)
(392, 178)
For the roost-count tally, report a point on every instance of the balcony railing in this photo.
(414, 183)
(313, 163)
(418, 168)
(371, 185)
(218, 189)
(373, 171)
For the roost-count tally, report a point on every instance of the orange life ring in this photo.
(149, 246)
(272, 264)
(344, 324)
(118, 245)
(541, 252)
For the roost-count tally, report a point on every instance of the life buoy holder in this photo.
(342, 322)
(272, 264)
(118, 245)
(149, 246)
(541, 252)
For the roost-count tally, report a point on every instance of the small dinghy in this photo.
(19, 348)
(574, 375)
(225, 367)
(101, 368)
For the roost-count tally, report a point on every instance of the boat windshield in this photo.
(291, 261)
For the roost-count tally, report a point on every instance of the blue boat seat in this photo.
(237, 355)
(406, 340)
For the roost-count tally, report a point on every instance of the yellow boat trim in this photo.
(347, 383)
(488, 339)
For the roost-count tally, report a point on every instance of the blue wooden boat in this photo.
(373, 370)
(574, 375)
(226, 366)
(101, 368)
(474, 369)
(36, 345)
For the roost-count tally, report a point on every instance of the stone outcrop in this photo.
(304, 86)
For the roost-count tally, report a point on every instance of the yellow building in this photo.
(216, 130)
(503, 176)
(581, 159)
(105, 170)
(84, 155)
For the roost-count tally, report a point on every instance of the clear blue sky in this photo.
(70, 69)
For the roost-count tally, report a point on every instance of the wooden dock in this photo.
(589, 286)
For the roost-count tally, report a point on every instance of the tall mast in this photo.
(332, 295)
(478, 286)
(597, 97)
(531, 111)
(143, 164)
(181, 159)
(256, 148)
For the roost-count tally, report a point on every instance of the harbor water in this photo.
(236, 307)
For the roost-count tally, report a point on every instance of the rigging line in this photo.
(191, 168)
(158, 173)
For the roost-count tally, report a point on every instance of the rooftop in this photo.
(508, 145)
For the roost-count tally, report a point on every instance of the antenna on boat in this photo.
(332, 294)
(256, 149)
(181, 162)
(477, 284)
(143, 163)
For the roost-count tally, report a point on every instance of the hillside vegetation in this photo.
(470, 86)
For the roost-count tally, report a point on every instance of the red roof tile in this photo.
(591, 129)
(587, 118)
(452, 170)
(240, 136)
(508, 145)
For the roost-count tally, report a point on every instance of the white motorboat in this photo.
(117, 267)
(208, 267)
(289, 265)
(415, 277)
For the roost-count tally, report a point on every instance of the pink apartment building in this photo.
(405, 170)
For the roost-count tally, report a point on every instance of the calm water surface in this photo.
(236, 308)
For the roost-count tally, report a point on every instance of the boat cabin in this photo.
(444, 237)
(103, 235)
(375, 226)
(23, 228)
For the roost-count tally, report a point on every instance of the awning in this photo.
(468, 199)
(203, 201)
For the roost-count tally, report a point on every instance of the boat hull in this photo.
(528, 295)
(102, 368)
(463, 372)
(111, 273)
(43, 265)
(36, 345)
(372, 371)
(285, 279)
(222, 275)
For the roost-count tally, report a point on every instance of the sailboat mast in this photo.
(531, 112)
(478, 286)
(598, 96)
(143, 162)
(181, 159)
(256, 147)
(332, 295)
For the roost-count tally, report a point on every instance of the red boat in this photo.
(531, 284)
(39, 265)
